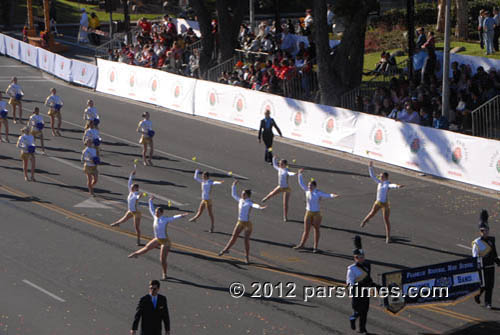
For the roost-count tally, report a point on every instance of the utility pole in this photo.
(126, 18)
(410, 15)
(251, 11)
(446, 62)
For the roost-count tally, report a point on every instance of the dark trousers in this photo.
(489, 283)
(360, 306)
(481, 39)
(496, 34)
(268, 142)
(95, 39)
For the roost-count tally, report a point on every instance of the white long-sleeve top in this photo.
(206, 185)
(3, 106)
(383, 186)
(160, 223)
(90, 114)
(53, 100)
(354, 274)
(144, 126)
(24, 142)
(91, 134)
(244, 205)
(14, 89)
(34, 119)
(88, 155)
(283, 174)
(313, 198)
(133, 197)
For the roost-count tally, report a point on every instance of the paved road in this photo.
(55, 239)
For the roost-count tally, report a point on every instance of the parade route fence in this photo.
(441, 153)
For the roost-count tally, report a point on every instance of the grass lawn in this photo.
(69, 12)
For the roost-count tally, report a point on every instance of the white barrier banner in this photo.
(12, 47)
(2, 44)
(46, 60)
(146, 85)
(28, 54)
(84, 73)
(62, 67)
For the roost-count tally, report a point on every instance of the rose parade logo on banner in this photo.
(378, 136)
(84, 71)
(112, 77)
(213, 101)
(132, 81)
(494, 165)
(297, 121)
(239, 107)
(154, 86)
(330, 127)
(458, 155)
(415, 146)
(177, 91)
(267, 105)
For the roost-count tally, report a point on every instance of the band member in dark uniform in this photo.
(266, 133)
(484, 249)
(358, 277)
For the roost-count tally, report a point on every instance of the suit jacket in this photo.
(152, 317)
(267, 132)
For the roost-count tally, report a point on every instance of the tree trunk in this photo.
(343, 71)
(462, 31)
(229, 25)
(207, 39)
(441, 14)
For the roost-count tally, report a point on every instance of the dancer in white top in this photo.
(36, 125)
(55, 103)
(93, 134)
(3, 119)
(313, 214)
(132, 210)
(90, 158)
(145, 128)
(15, 92)
(26, 143)
(161, 237)
(90, 114)
(283, 186)
(382, 201)
(206, 189)
(244, 207)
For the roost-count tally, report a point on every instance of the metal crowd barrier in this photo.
(486, 119)
(215, 72)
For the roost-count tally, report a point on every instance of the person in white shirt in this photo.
(283, 186)
(36, 125)
(382, 201)
(26, 143)
(245, 205)
(55, 103)
(84, 26)
(206, 201)
(329, 16)
(313, 214)
(132, 208)
(90, 114)
(412, 115)
(308, 21)
(3, 119)
(161, 238)
(145, 128)
(90, 158)
(15, 92)
(93, 135)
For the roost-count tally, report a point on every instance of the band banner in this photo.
(84, 73)
(46, 60)
(28, 54)
(444, 283)
(11, 47)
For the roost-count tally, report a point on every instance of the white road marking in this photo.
(91, 203)
(52, 295)
(190, 160)
(125, 185)
(464, 246)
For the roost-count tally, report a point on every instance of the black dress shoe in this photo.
(353, 323)
(477, 299)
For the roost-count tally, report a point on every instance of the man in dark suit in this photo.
(266, 133)
(153, 309)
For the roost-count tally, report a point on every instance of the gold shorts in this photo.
(311, 215)
(26, 155)
(383, 205)
(246, 225)
(14, 102)
(145, 140)
(165, 241)
(284, 190)
(136, 214)
(54, 113)
(207, 202)
(90, 169)
(36, 133)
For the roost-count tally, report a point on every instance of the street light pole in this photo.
(251, 11)
(446, 62)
